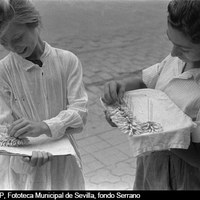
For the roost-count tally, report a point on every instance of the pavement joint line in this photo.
(92, 50)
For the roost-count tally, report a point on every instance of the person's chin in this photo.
(24, 53)
(183, 59)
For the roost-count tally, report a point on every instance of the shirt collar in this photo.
(195, 73)
(192, 73)
(26, 64)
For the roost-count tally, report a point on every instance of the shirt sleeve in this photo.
(195, 133)
(151, 74)
(76, 111)
(6, 116)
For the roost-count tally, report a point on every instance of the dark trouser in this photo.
(165, 171)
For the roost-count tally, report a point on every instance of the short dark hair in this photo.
(184, 15)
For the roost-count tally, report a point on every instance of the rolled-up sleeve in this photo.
(75, 114)
(195, 133)
(151, 74)
(6, 116)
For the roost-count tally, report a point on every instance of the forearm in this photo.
(134, 81)
(190, 155)
(66, 119)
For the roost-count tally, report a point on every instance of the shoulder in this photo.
(169, 60)
(5, 68)
(68, 60)
(168, 63)
(5, 64)
(165, 63)
(65, 60)
(5, 60)
(65, 56)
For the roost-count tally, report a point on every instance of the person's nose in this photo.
(176, 51)
(18, 48)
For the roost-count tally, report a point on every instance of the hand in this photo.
(109, 120)
(38, 158)
(25, 128)
(113, 91)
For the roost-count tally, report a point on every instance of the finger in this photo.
(14, 124)
(46, 157)
(121, 93)
(34, 159)
(109, 120)
(50, 156)
(106, 97)
(17, 122)
(110, 92)
(16, 127)
(26, 159)
(42, 158)
(22, 132)
(114, 91)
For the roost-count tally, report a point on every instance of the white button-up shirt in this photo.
(53, 93)
(182, 88)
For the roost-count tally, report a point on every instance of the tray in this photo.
(60, 146)
(150, 105)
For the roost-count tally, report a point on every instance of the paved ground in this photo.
(107, 160)
(106, 154)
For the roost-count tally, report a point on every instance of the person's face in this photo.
(183, 48)
(20, 39)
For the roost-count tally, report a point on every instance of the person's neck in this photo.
(196, 64)
(192, 65)
(38, 51)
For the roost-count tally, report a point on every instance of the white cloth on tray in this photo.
(182, 88)
(154, 105)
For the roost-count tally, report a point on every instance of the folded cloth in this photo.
(159, 124)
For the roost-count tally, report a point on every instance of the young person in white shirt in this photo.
(178, 76)
(41, 92)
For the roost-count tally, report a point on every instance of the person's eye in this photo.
(185, 50)
(18, 39)
(3, 42)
